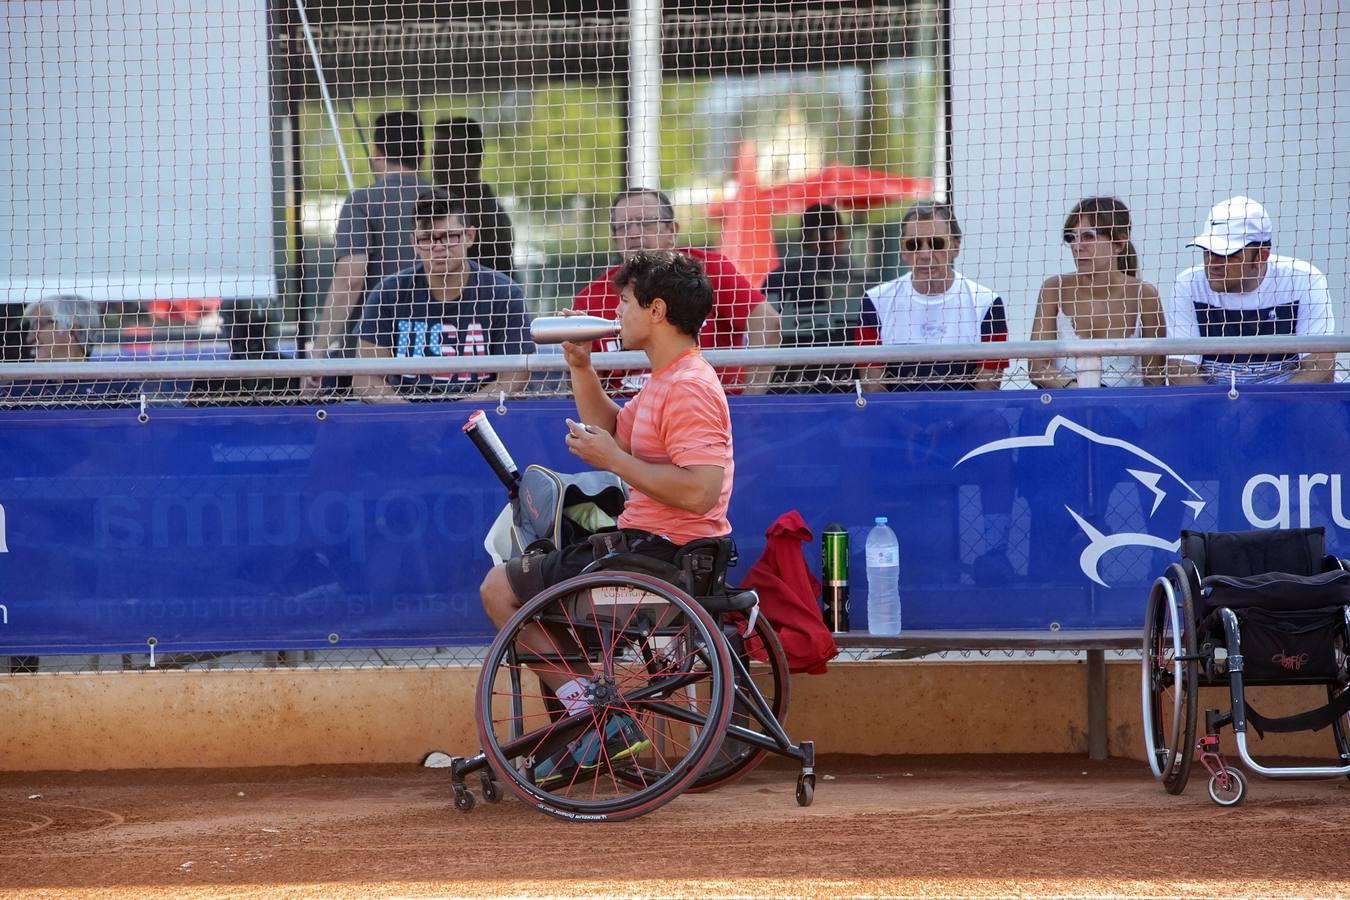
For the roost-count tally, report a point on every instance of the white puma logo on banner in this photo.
(1151, 477)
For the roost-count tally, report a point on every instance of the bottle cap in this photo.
(881, 520)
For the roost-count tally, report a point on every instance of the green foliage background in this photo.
(557, 148)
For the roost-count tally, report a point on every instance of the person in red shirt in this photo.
(642, 219)
(671, 444)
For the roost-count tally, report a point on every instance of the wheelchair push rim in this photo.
(657, 659)
(1169, 680)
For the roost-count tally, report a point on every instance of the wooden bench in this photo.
(1094, 642)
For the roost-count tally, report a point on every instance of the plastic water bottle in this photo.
(883, 579)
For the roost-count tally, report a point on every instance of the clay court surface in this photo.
(987, 825)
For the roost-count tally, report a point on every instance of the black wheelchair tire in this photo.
(1170, 701)
(709, 663)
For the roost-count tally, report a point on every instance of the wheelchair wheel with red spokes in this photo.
(659, 695)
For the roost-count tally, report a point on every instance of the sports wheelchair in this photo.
(671, 647)
(1242, 609)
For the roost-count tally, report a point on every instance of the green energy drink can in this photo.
(834, 577)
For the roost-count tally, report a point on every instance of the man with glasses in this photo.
(1244, 290)
(933, 303)
(445, 305)
(643, 219)
(374, 233)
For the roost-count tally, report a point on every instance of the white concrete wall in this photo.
(1171, 106)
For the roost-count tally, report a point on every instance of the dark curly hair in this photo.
(676, 278)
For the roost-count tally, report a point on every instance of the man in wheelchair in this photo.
(671, 443)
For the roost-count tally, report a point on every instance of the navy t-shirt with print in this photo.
(487, 319)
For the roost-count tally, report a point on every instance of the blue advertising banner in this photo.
(269, 528)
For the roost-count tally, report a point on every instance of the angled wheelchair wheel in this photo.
(660, 695)
(1170, 675)
(1340, 726)
(762, 655)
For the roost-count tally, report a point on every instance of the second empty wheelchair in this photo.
(1242, 609)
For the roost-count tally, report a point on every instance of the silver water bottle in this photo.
(577, 329)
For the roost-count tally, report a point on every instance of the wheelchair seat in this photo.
(1274, 592)
(699, 569)
(1284, 570)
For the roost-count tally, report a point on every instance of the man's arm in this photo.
(868, 334)
(762, 329)
(1180, 372)
(1315, 368)
(695, 489)
(508, 382)
(1316, 318)
(593, 404)
(374, 388)
(344, 294)
(993, 329)
(1181, 323)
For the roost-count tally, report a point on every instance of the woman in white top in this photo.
(1103, 298)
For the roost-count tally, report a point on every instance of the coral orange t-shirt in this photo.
(679, 417)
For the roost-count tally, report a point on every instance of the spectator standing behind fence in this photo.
(818, 301)
(1243, 290)
(643, 219)
(933, 304)
(457, 167)
(374, 233)
(59, 329)
(444, 305)
(1103, 298)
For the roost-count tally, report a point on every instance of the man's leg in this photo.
(501, 603)
(569, 681)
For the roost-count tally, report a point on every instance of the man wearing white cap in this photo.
(1243, 290)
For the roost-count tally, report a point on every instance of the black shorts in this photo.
(530, 575)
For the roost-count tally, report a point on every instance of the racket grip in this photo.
(485, 438)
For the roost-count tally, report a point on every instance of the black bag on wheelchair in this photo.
(1290, 644)
(552, 509)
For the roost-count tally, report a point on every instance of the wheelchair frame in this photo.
(1176, 665)
(736, 720)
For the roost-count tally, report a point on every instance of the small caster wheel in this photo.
(1227, 788)
(463, 799)
(490, 790)
(806, 789)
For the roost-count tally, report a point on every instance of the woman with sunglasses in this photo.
(933, 304)
(1103, 298)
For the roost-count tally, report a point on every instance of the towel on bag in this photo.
(787, 596)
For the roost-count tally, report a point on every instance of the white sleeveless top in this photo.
(1117, 371)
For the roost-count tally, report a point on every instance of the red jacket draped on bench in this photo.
(787, 595)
